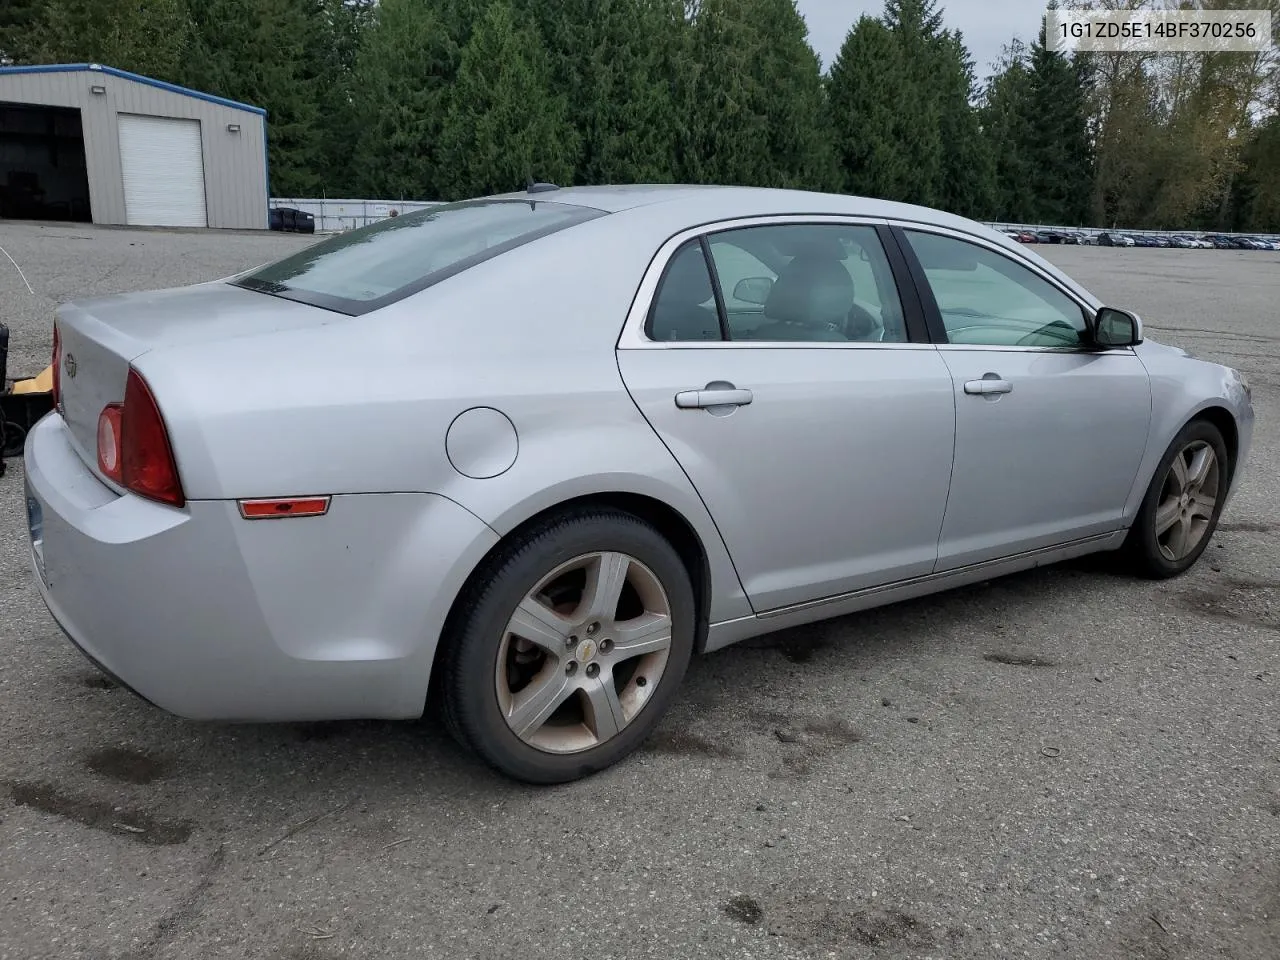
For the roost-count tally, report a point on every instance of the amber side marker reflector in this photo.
(281, 507)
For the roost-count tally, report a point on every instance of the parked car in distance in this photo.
(533, 452)
(1115, 240)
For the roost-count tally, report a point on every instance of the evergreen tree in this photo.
(262, 52)
(613, 59)
(916, 26)
(901, 117)
(753, 98)
(914, 20)
(790, 75)
(1006, 122)
(150, 37)
(18, 19)
(724, 132)
(866, 106)
(505, 124)
(344, 25)
(1058, 154)
(405, 67)
(968, 185)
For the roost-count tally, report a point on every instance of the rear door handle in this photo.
(713, 396)
(988, 387)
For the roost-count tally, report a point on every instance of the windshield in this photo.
(360, 271)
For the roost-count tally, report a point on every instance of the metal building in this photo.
(91, 143)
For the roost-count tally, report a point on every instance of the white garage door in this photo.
(163, 169)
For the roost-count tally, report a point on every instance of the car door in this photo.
(804, 402)
(1050, 430)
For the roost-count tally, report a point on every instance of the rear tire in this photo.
(571, 644)
(1184, 501)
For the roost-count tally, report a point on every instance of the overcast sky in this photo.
(987, 25)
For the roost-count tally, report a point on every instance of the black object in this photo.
(4, 360)
(290, 220)
(539, 187)
(18, 411)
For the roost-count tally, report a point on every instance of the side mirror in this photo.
(1117, 328)
(753, 290)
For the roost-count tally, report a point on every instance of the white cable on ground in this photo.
(19, 269)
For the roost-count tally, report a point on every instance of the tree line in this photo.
(440, 99)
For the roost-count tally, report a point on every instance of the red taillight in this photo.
(57, 367)
(109, 445)
(146, 458)
(133, 445)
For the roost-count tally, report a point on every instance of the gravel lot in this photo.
(1066, 763)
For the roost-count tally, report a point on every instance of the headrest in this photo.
(812, 289)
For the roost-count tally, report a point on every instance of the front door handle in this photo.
(713, 395)
(988, 386)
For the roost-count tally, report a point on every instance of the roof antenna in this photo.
(537, 186)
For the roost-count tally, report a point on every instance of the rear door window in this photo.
(808, 282)
(369, 268)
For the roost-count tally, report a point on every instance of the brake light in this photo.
(57, 368)
(133, 445)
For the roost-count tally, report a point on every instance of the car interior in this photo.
(803, 283)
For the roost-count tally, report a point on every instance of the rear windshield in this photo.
(365, 269)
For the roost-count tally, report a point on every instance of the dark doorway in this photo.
(42, 167)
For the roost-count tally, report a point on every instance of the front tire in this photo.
(1183, 504)
(570, 646)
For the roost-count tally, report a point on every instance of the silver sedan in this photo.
(535, 451)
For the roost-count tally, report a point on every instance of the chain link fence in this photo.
(335, 215)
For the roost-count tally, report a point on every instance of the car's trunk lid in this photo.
(100, 338)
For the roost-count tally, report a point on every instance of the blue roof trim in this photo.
(137, 77)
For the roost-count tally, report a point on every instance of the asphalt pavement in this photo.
(1066, 763)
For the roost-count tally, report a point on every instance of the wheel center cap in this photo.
(587, 651)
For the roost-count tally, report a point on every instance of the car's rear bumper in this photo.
(210, 616)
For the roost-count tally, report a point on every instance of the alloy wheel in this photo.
(1187, 501)
(583, 653)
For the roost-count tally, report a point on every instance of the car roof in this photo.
(671, 208)
(700, 203)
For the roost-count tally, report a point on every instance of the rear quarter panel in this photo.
(364, 405)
